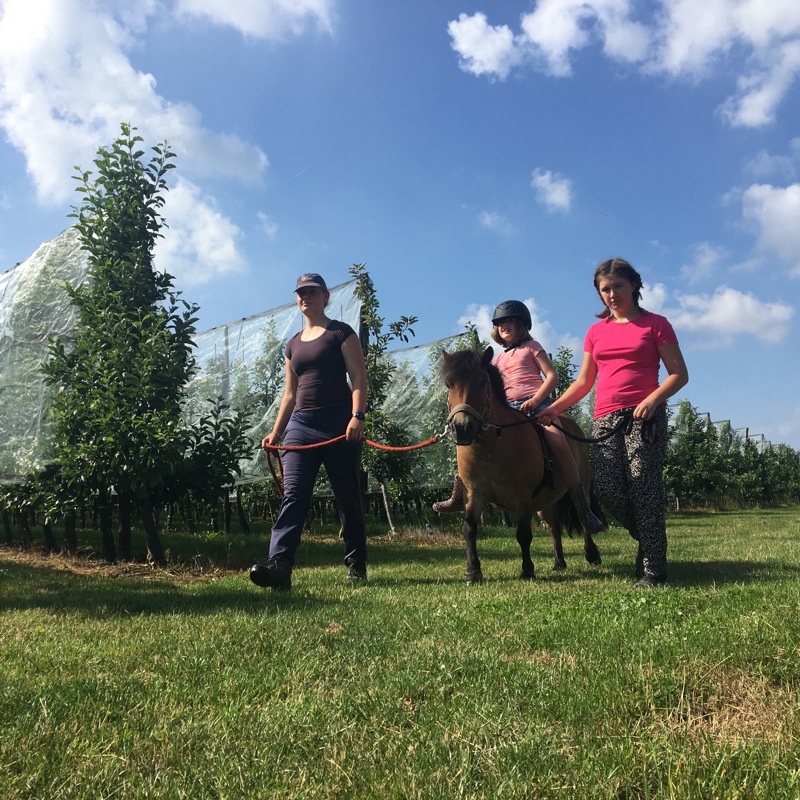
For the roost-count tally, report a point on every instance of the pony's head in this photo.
(472, 382)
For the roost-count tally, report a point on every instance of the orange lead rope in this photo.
(273, 453)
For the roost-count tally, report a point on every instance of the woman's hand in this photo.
(355, 430)
(270, 440)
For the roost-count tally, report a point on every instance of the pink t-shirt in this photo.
(521, 374)
(626, 354)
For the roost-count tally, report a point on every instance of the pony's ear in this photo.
(486, 358)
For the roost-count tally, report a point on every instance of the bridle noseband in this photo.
(465, 408)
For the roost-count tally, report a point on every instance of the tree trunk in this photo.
(244, 525)
(49, 538)
(226, 511)
(9, 531)
(124, 526)
(188, 513)
(103, 509)
(24, 529)
(385, 495)
(155, 553)
(70, 537)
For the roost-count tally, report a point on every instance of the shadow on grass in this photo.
(718, 572)
(41, 587)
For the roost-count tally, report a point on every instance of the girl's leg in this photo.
(610, 473)
(455, 504)
(646, 465)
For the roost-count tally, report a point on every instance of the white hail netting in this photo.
(241, 362)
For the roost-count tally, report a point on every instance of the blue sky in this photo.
(468, 152)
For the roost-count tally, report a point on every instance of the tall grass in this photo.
(128, 683)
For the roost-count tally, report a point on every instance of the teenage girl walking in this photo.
(622, 354)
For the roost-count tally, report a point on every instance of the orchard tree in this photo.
(385, 466)
(120, 379)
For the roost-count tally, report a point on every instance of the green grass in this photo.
(131, 683)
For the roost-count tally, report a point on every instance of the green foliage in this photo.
(218, 442)
(565, 369)
(120, 381)
(711, 466)
(386, 467)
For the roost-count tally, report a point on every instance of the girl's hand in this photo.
(645, 409)
(528, 406)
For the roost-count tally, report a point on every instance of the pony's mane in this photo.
(463, 363)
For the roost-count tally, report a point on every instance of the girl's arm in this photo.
(677, 378)
(357, 372)
(549, 383)
(285, 409)
(576, 391)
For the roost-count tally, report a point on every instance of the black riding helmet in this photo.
(512, 308)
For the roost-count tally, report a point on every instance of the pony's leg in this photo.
(525, 537)
(555, 529)
(589, 547)
(591, 551)
(469, 528)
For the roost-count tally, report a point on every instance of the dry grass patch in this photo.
(732, 709)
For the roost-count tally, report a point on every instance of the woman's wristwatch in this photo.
(358, 415)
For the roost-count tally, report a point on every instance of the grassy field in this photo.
(124, 682)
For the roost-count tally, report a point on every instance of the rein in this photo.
(626, 422)
(649, 433)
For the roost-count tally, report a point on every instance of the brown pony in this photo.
(503, 459)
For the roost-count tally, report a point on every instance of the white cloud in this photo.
(548, 36)
(706, 258)
(268, 225)
(654, 297)
(484, 49)
(200, 243)
(556, 27)
(553, 191)
(66, 83)
(718, 319)
(496, 222)
(683, 39)
(775, 211)
(764, 165)
(264, 19)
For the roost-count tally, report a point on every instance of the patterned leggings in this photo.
(628, 474)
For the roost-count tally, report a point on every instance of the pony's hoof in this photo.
(593, 557)
(473, 578)
(527, 573)
(559, 565)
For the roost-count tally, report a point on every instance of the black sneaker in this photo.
(275, 574)
(357, 572)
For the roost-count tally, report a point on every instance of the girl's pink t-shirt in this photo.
(520, 370)
(626, 354)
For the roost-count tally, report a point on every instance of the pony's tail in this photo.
(594, 504)
(568, 514)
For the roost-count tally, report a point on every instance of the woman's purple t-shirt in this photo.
(320, 368)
